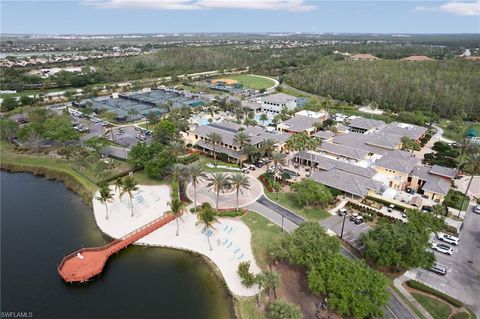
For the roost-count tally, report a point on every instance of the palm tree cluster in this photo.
(220, 182)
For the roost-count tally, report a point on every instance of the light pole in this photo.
(343, 225)
(282, 223)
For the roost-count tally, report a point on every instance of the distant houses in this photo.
(417, 58)
(363, 57)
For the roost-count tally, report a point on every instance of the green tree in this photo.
(263, 118)
(401, 245)
(218, 182)
(241, 139)
(271, 282)
(59, 128)
(129, 185)
(207, 218)
(8, 129)
(9, 103)
(409, 144)
(166, 131)
(196, 174)
(177, 208)
(310, 192)
(105, 196)
(176, 149)
(178, 171)
(26, 100)
(214, 139)
(278, 158)
(472, 165)
(97, 143)
(118, 186)
(239, 182)
(280, 309)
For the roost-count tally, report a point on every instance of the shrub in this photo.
(247, 278)
(280, 309)
(461, 315)
(418, 285)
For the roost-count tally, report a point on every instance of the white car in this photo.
(448, 238)
(476, 209)
(442, 248)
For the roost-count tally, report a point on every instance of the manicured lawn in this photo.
(247, 307)
(438, 309)
(264, 232)
(204, 160)
(457, 133)
(251, 81)
(289, 201)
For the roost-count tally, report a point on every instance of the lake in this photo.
(41, 221)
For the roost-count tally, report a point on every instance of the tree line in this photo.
(448, 88)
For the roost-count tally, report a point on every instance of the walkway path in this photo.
(86, 263)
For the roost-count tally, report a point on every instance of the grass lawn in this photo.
(288, 200)
(8, 156)
(252, 81)
(264, 232)
(247, 307)
(438, 309)
(204, 160)
(457, 133)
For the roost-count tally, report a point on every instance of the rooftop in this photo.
(418, 58)
(433, 183)
(366, 124)
(399, 161)
(279, 98)
(343, 150)
(298, 123)
(403, 129)
(347, 182)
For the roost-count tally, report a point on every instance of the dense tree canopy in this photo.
(402, 245)
(351, 287)
(312, 193)
(448, 88)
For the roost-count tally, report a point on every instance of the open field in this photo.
(251, 81)
(456, 132)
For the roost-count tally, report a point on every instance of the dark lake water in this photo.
(41, 221)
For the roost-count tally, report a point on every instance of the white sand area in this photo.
(230, 239)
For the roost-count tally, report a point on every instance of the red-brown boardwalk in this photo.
(89, 262)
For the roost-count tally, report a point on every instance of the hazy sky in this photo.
(150, 16)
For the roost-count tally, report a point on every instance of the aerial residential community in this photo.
(181, 169)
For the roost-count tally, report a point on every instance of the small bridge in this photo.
(86, 263)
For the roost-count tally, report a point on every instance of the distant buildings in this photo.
(303, 121)
(363, 57)
(417, 58)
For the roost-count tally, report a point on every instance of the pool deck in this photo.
(230, 239)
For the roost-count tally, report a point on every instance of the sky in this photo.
(188, 16)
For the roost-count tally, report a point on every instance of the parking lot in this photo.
(127, 136)
(462, 280)
(351, 231)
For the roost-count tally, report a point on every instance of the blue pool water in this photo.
(202, 122)
(267, 122)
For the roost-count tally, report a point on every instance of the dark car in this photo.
(427, 208)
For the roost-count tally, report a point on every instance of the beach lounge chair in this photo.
(240, 257)
(80, 256)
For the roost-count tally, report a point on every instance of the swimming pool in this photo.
(202, 122)
(267, 122)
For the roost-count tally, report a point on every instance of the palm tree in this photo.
(206, 217)
(118, 186)
(218, 182)
(241, 139)
(464, 146)
(105, 196)
(268, 147)
(439, 210)
(196, 174)
(263, 118)
(473, 165)
(239, 182)
(271, 279)
(177, 208)
(260, 280)
(214, 139)
(176, 149)
(129, 185)
(178, 171)
(277, 159)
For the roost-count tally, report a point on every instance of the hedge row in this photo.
(418, 285)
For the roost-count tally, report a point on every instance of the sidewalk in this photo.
(398, 282)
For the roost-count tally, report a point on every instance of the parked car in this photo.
(260, 163)
(390, 208)
(438, 269)
(427, 208)
(342, 212)
(442, 248)
(448, 238)
(358, 220)
(353, 216)
(476, 209)
(22, 120)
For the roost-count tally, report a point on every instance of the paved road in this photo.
(395, 308)
(463, 277)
